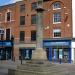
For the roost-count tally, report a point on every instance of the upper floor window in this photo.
(57, 17)
(1, 34)
(33, 19)
(8, 34)
(33, 35)
(34, 6)
(56, 5)
(22, 35)
(22, 8)
(57, 33)
(22, 20)
(0, 17)
(8, 16)
(1, 31)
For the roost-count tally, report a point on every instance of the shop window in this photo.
(22, 35)
(56, 17)
(5, 53)
(34, 6)
(66, 54)
(25, 54)
(33, 35)
(55, 54)
(22, 20)
(56, 5)
(33, 19)
(22, 8)
(57, 33)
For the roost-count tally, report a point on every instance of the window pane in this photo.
(22, 35)
(22, 8)
(56, 5)
(8, 16)
(7, 34)
(0, 17)
(57, 17)
(57, 32)
(33, 35)
(22, 20)
(33, 19)
(34, 6)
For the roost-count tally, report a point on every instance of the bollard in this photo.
(60, 61)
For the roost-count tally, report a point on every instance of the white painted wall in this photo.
(73, 17)
(72, 51)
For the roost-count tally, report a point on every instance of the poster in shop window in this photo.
(60, 54)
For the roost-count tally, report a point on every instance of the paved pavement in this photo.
(4, 66)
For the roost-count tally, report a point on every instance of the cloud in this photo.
(13, 1)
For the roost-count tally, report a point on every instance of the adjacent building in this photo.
(18, 30)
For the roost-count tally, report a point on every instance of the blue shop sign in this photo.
(58, 43)
(6, 44)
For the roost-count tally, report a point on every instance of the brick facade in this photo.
(14, 24)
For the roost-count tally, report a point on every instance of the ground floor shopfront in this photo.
(25, 53)
(58, 50)
(55, 49)
(6, 50)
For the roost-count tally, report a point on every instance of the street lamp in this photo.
(12, 40)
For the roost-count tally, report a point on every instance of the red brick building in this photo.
(19, 20)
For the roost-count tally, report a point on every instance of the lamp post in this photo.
(12, 40)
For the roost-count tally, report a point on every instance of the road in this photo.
(69, 69)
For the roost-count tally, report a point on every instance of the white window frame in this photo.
(53, 19)
(58, 7)
(56, 30)
(2, 30)
(6, 15)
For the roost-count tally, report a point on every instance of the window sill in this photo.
(56, 8)
(56, 22)
(33, 40)
(21, 42)
(33, 24)
(56, 37)
(21, 25)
